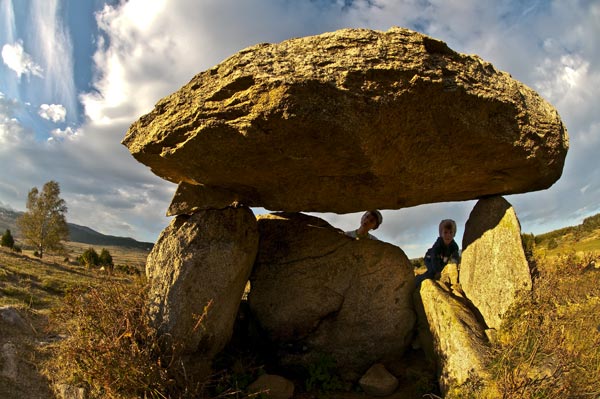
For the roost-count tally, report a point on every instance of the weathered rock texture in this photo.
(493, 270)
(460, 343)
(320, 292)
(206, 257)
(22, 337)
(377, 381)
(350, 120)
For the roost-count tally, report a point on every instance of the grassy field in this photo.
(121, 255)
(31, 291)
(26, 281)
(549, 347)
(580, 247)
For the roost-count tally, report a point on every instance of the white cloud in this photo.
(11, 131)
(53, 112)
(15, 57)
(149, 56)
(61, 134)
(152, 48)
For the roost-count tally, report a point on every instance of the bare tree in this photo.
(43, 225)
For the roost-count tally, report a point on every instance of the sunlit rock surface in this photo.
(350, 120)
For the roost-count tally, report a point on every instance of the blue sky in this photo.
(75, 74)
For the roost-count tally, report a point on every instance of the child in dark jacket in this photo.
(444, 250)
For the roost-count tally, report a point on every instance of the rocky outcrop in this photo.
(459, 339)
(316, 291)
(377, 381)
(493, 270)
(23, 337)
(199, 260)
(347, 121)
(343, 122)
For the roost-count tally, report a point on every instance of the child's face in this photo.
(447, 236)
(368, 220)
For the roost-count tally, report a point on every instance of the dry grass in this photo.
(121, 256)
(110, 348)
(26, 281)
(549, 346)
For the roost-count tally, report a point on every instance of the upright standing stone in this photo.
(460, 343)
(201, 259)
(317, 291)
(493, 270)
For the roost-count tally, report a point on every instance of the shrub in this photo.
(418, 262)
(111, 348)
(322, 375)
(7, 239)
(89, 258)
(105, 259)
(128, 269)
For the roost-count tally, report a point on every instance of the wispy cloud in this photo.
(51, 42)
(19, 61)
(150, 60)
(150, 49)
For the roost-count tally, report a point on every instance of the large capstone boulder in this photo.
(494, 272)
(200, 266)
(460, 343)
(350, 120)
(317, 292)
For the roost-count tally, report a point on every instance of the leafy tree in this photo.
(44, 225)
(89, 258)
(7, 239)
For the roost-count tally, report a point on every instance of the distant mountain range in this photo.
(77, 233)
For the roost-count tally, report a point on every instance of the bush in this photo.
(89, 258)
(322, 375)
(552, 244)
(128, 269)
(418, 262)
(7, 239)
(105, 259)
(111, 348)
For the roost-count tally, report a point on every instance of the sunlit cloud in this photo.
(62, 134)
(15, 57)
(556, 77)
(148, 50)
(53, 112)
(11, 130)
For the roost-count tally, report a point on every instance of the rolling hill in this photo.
(77, 233)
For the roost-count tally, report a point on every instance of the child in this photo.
(370, 220)
(444, 250)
